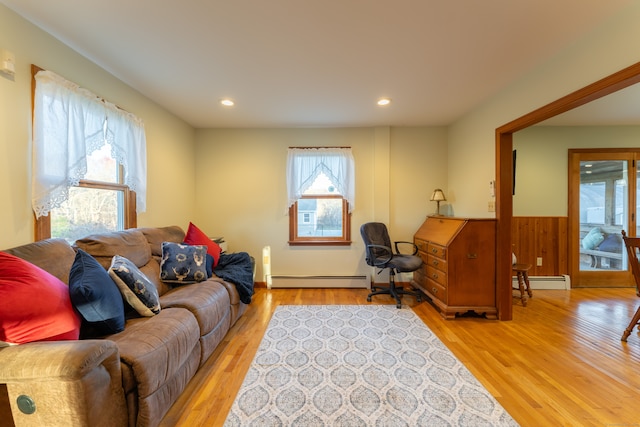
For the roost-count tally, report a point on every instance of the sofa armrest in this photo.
(70, 383)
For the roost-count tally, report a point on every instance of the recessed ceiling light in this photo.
(227, 102)
(384, 101)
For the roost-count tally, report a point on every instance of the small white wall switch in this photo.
(539, 261)
(492, 206)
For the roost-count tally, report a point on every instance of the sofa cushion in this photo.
(208, 301)
(182, 263)
(154, 350)
(130, 244)
(34, 305)
(158, 235)
(52, 255)
(135, 287)
(195, 236)
(96, 297)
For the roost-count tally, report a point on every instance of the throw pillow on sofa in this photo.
(135, 287)
(611, 243)
(34, 305)
(195, 236)
(183, 263)
(96, 297)
(593, 238)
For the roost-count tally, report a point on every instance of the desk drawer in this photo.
(436, 290)
(437, 275)
(439, 263)
(437, 250)
(421, 244)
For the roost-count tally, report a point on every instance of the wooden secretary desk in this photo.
(459, 272)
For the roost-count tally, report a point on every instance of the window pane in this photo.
(319, 217)
(101, 166)
(592, 196)
(603, 207)
(88, 211)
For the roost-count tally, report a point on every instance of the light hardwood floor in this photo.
(559, 362)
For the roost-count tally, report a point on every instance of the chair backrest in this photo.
(375, 233)
(633, 247)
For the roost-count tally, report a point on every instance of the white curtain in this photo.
(305, 164)
(70, 123)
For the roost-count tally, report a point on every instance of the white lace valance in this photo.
(305, 164)
(70, 123)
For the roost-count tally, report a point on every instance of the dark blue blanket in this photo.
(237, 268)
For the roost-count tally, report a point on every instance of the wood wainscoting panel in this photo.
(543, 237)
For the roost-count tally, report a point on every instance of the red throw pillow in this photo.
(195, 236)
(34, 305)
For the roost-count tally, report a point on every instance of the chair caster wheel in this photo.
(398, 305)
(368, 299)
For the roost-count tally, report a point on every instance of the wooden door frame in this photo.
(504, 169)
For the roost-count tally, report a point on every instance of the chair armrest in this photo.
(379, 261)
(62, 381)
(413, 245)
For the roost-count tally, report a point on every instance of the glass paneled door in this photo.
(602, 194)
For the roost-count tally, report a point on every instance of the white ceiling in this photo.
(317, 63)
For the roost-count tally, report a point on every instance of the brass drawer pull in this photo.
(434, 290)
(434, 250)
(434, 275)
(435, 263)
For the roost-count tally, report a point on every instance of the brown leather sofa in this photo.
(129, 378)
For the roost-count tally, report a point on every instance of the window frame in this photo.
(343, 240)
(42, 225)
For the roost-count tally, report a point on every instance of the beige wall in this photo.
(542, 163)
(170, 150)
(241, 189)
(237, 188)
(471, 141)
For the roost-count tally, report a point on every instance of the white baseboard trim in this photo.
(311, 281)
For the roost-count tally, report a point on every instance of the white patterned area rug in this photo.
(357, 365)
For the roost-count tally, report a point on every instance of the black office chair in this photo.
(379, 254)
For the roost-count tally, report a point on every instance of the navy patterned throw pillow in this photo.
(135, 287)
(183, 263)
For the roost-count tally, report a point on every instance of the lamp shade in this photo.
(438, 196)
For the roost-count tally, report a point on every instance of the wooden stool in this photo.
(522, 273)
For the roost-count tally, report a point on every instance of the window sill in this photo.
(319, 243)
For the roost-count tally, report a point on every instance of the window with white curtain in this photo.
(321, 195)
(89, 161)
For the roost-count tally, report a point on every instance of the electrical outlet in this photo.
(492, 206)
(539, 261)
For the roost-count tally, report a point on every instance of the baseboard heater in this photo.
(548, 282)
(307, 281)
